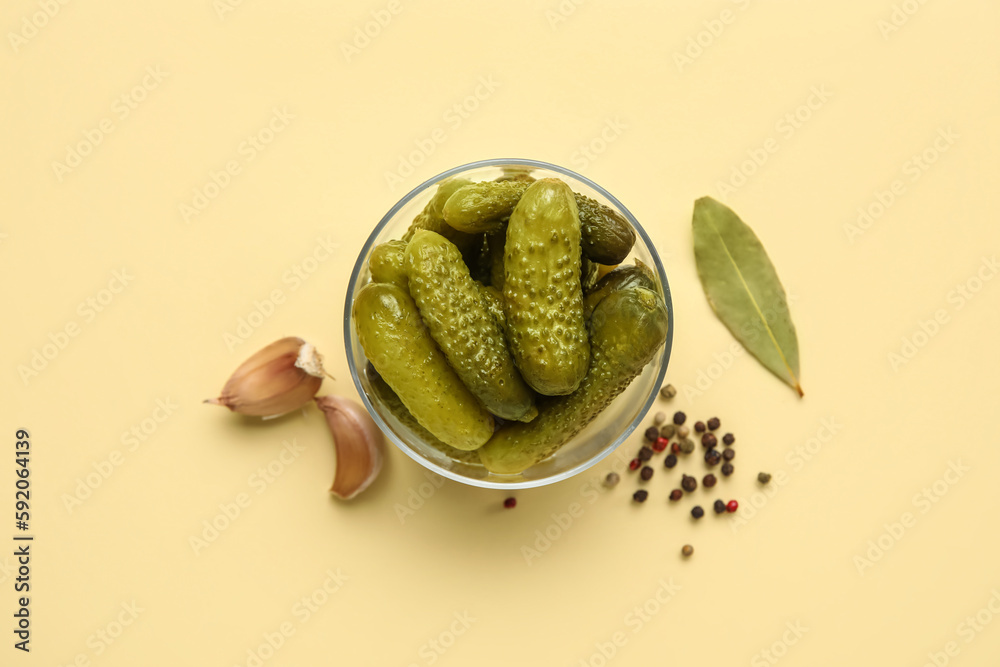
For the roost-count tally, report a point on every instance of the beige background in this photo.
(661, 132)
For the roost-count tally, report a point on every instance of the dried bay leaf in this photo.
(743, 288)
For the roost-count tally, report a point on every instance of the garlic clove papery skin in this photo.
(282, 377)
(358, 443)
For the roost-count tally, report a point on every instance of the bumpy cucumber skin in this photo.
(386, 263)
(627, 329)
(494, 303)
(460, 322)
(398, 344)
(482, 207)
(543, 298)
(607, 236)
(431, 217)
(621, 278)
(388, 398)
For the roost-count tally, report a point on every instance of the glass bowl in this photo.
(593, 443)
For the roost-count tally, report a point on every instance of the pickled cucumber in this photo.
(627, 329)
(482, 207)
(494, 303)
(459, 319)
(543, 299)
(607, 236)
(400, 347)
(623, 277)
(386, 263)
(431, 217)
(387, 397)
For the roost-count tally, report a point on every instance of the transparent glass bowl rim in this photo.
(359, 266)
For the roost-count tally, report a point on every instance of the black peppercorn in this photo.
(728, 439)
(728, 454)
(645, 454)
(679, 417)
(689, 483)
(640, 496)
(670, 461)
(699, 427)
(697, 512)
(713, 423)
(727, 468)
(708, 481)
(676, 494)
(719, 506)
(646, 473)
(652, 433)
(712, 457)
(709, 440)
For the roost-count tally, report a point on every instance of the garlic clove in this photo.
(280, 378)
(358, 443)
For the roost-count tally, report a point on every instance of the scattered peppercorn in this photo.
(668, 391)
(728, 439)
(675, 448)
(709, 440)
(670, 461)
(683, 431)
(659, 418)
(714, 423)
(640, 496)
(668, 430)
(708, 481)
(719, 507)
(697, 512)
(646, 473)
(676, 494)
(510, 503)
(689, 483)
(652, 433)
(763, 477)
(727, 469)
(634, 464)
(660, 444)
(712, 457)
(687, 550)
(679, 417)
(645, 453)
(611, 479)
(728, 454)
(687, 445)
(699, 427)
(732, 506)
